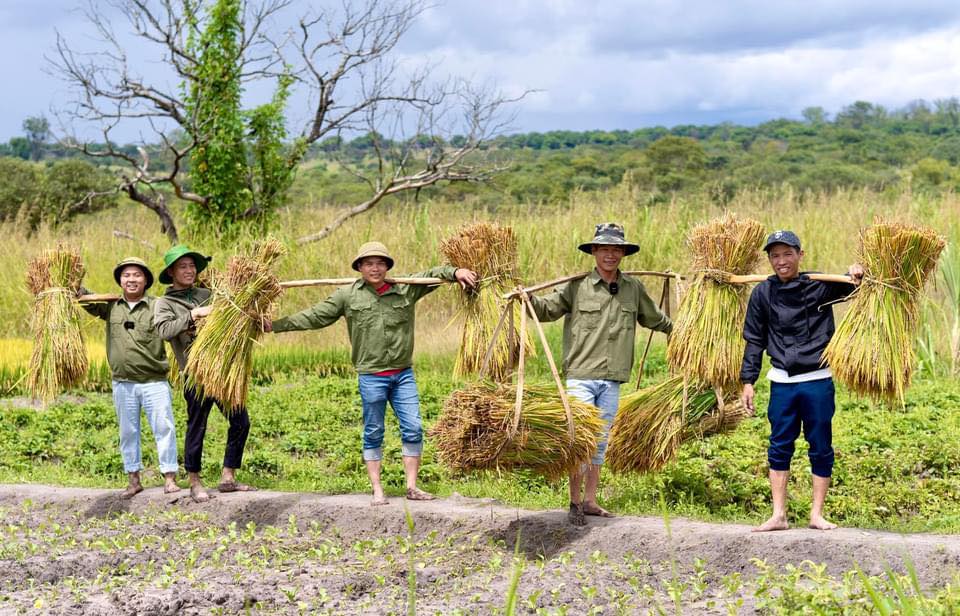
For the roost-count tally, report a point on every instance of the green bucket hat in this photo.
(137, 262)
(609, 234)
(177, 252)
(372, 249)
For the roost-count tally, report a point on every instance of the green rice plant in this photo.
(59, 358)
(707, 340)
(474, 431)
(491, 251)
(221, 357)
(872, 351)
(950, 275)
(411, 564)
(653, 423)
(510, 609)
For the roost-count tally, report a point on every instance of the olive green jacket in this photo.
(599, 329)
(171, 316)
(136, 353)
(380, 326)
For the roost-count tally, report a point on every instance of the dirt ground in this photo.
(82, 551)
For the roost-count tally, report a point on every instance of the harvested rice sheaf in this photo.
(654, 422)
(491, 251)
(473, 431)
(872, 350)
(707, 340)
(59, 357)
(221, 356)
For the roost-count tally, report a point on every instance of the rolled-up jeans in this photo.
(156, 401)
(603, 394)
(400, 390)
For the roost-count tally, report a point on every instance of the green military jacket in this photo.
(380, 326)
(171, 316)
(135, 353)
(599, 329)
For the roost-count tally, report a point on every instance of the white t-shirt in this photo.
(777, 375)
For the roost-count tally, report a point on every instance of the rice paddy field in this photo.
(897, 469)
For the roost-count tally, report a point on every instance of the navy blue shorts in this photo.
(808, 405)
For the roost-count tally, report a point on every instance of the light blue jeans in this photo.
(401, 391)
(605, 395)
(157, 402)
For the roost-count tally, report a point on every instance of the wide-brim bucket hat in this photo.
(609, 234)
(177, 252)
(372, 249)
(138, 263)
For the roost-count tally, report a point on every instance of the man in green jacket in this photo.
(175, 316)
(380, 322)
(138, 367)
(602, 311)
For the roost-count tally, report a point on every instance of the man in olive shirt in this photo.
(138, 366)
(602, 311)
(380, 322)
(175, 316)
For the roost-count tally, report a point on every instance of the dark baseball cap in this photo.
(782, 237)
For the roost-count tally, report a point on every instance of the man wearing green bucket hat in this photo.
(380, 322)
(138, 367)
(175, 317)
(601, 314)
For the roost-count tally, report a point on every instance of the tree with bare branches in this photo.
(234, 166)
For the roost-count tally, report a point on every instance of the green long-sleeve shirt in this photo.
(599, 328)
(171, 316)
(135, 352)
(380, 326)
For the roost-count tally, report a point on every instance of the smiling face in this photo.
(374, 271)
(183, 271)
(785, 261)
(133, 282)
(608, 258)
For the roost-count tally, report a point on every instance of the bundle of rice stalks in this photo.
(707, 340)
(59, 358)
(221, 357)
(473, 432)
(490, 251)
(654, 422)
(872, 350)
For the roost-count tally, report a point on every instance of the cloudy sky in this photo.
(609, 63)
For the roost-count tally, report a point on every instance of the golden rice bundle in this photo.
(707, 340)
(59, 357)
(872, 350)
(491, 251)
(653, 423)
(473, 431)
(221, 357)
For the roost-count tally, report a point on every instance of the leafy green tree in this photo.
(37, 130)
(19, 187)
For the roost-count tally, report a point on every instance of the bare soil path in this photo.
(87, 551)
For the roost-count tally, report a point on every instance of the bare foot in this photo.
(198, 494)
(379, 500)
(170, 487)
(132, 490)
(575, 515)
(820, 523)
(774, 523)
(597, 510)
(416, 494)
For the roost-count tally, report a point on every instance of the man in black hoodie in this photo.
(790, 317)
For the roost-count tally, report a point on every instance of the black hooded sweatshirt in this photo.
(792, 322)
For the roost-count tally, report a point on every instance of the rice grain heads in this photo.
(473, 431)
(59, 357)
(491, 251)
(707, 340)
(221, 357)
(872, 350)
(653, 423)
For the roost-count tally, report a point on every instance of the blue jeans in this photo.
(401, 391)
(809, 405)
(605, 395)
(157, 402)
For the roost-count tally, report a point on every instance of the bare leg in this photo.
(575, 514)
(133, 485)
(590, 506)
(820, 486)
(411, 466)
(373, 471)
(197, 491)
(778, 487)
(170, 483)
